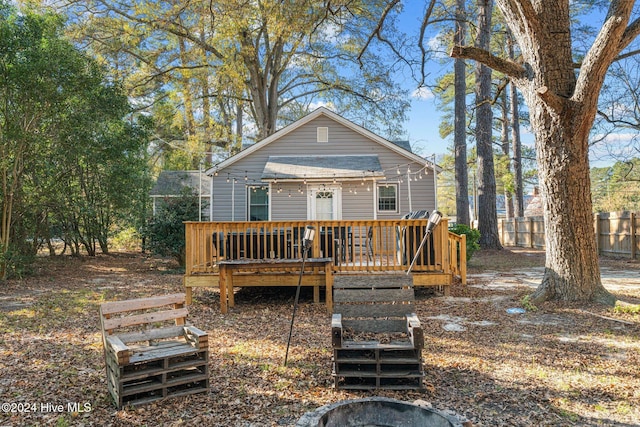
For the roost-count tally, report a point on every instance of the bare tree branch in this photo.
(619, 122)
(504, 66)
(554, 101)
(605, 47)
(377, 30)
(423, 29)
(523, 15)
(627, 55)
(631, 32)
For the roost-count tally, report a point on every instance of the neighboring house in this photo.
(172, 183)
(534, 204)
(322, 167)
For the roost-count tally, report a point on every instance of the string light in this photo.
(400, 178)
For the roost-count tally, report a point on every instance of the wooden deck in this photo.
(355, 247)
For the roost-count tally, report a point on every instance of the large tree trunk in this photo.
(460, 122)
(562, 109)
(189, 117)
(561, 114)
(505, 144)
(572, 271)
(517, 142)
(487, 211)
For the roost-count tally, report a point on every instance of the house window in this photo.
(323, 134)
(258, 204)
(388, 198)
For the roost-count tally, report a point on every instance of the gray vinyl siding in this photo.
(302, 142)
(285, 208)
(422, 194)
(357, 202)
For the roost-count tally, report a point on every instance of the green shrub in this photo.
(165, 231)
(127, 239)
(473, 237)
(15, 263)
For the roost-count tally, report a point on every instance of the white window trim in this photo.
(249, 191)
(377, 201)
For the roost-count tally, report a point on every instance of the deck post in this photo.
(223, 289)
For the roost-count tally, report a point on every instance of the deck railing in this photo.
(355, 246)
(458, 256)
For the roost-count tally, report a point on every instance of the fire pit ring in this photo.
(376, 412)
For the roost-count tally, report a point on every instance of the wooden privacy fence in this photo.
(526, 232)
(616, 233)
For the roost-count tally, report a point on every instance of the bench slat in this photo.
(374, 310)
(141, 304)
(161, 352)
(158, 346)
(374, 345)
(372, 285)
(369, 295)
(152, 334)
(375, 325)
(140, 319)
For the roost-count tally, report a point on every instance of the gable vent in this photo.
(323, 134)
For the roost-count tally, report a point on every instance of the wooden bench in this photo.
(286, 273)
(150, 352)
(377, 338)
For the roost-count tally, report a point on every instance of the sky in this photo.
(424, 116)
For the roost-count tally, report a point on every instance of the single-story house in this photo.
(172, 184)
(322, 167)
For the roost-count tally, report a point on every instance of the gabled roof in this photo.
(404, 144)
(171, 183)
(322, 111)
(312, 167)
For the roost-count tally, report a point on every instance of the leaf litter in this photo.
(557, 366)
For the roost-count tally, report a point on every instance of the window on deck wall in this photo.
(388, 197)
(258, 204)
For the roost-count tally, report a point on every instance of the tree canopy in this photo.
(221, 61)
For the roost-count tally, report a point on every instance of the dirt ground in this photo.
(552, 365)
